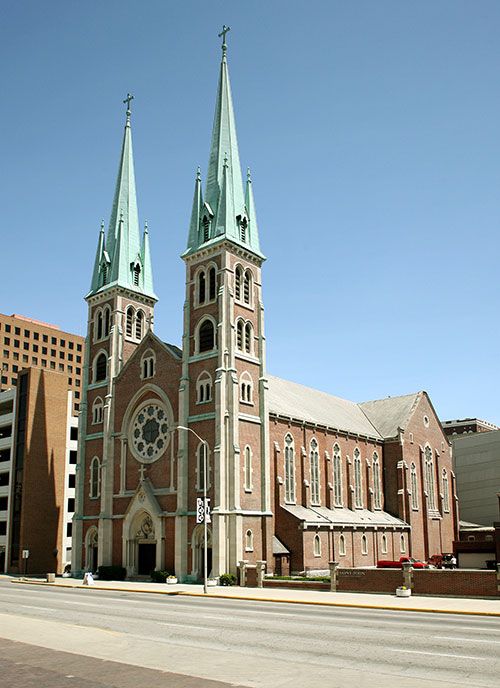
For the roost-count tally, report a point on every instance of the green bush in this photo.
(159, 576)
(227, 579)
(111, 573)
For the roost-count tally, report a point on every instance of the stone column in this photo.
(242, 565)
(408, 575)
(261, 568)
(333, 575)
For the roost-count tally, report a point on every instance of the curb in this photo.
(319, 603)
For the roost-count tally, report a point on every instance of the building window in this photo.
(314, 456)
(73, 433)
(446, 494)
(212, 283)
(201, 287)
(247, 287)
(246, 388)
(202, 448)
(100, 367)
(248, 469)
(289, 469)
(73, 455)
(249, 541)
(148, 361)
(203, 388)
(239, 335)
(429, 478)
(342, 546)
(364, 544)
(337, 475)
(95, 478)
(97, 410)
(237, 283)
(129, 328)
(71, 504)
(402, 545)
(376, 482)
(137, 272)
(99, 325)
(317, 546)
(413, 486)
(248, 338)
(384, 544)
(139, 320)
(358, 490)
(206, 339)
(71, 480)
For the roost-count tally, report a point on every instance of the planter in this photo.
(211, 582)
(403, 592)
(171, 580)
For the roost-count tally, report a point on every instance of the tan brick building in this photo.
(296, 477)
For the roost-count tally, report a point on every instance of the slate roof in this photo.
(296, 401)
(321, 515)
(279, 547)
(387, 415)
(174, 349)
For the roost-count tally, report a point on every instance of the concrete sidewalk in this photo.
(447, 605)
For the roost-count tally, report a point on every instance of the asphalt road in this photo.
(242, 642)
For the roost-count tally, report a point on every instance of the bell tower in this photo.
(121, 301)
(223, 391)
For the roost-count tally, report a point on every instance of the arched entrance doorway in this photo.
(145, 545)
(197, 548)
(92, 550)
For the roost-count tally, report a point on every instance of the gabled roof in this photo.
(340, 516)
(387, 415)
(296, 401)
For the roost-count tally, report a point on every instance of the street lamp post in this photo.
(205, 452)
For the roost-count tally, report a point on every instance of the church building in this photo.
(295, 477)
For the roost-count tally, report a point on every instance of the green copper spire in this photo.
(224, 213)
(194, 225)
(122, 261)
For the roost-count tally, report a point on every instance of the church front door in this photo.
(147, 558)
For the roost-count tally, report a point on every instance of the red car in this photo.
(382, 564)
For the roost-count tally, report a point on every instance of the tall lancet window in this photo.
(237, 283)
(429, 477)
(206, 228)
(414, 487)
(358, 491)
(139, 321)
(211, 283)
(314, 455)
(289, 469)
(376, 482)
(337, 475)
(137, 272)
(446, 491)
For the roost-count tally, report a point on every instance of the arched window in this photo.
(317, 546)
(402, 545)
(337, 475)
(243, 229)
(212, 284)
(314, 456)
(249, 541)
(97, 410)
(237, 282)
(358, 490)
(376, 482)
(129, 328)
(413, 486)
(201, 287)
(239, 335)
(247, 284)
(246, 388)
(342, 546)
(446, 494)
(202, 448)
(248, 338)
(289, 469)
(99, 325)
(107, 321)
(95, 478)
(104, 273)
(429, 477)
(203, 387)
(206, 336)
(364, 544)
(139, 319)
(384, 544)
(101, 365)
(206, 228)
(248, 469)
(148, 364)
(137, 272)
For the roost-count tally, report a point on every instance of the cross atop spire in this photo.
(222, 35)
(127, 100)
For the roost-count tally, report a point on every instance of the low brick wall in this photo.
(425, 582)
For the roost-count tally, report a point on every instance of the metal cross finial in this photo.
(222, 35)
(127, 100)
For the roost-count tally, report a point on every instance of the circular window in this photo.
(149, 433)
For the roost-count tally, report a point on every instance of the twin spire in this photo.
(121, 258)
(226, 211)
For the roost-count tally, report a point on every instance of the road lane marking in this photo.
(438, 654)
(61, 623)
(31, 606)
(468, 640)
(199, 628)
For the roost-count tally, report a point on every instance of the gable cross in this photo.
(222, 35)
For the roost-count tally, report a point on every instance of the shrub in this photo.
(160, 576)
(227, 579)
(111, 572)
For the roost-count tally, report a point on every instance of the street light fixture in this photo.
(205, 452)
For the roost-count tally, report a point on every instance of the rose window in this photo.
(149, 433)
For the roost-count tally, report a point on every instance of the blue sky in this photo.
(372, 133)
